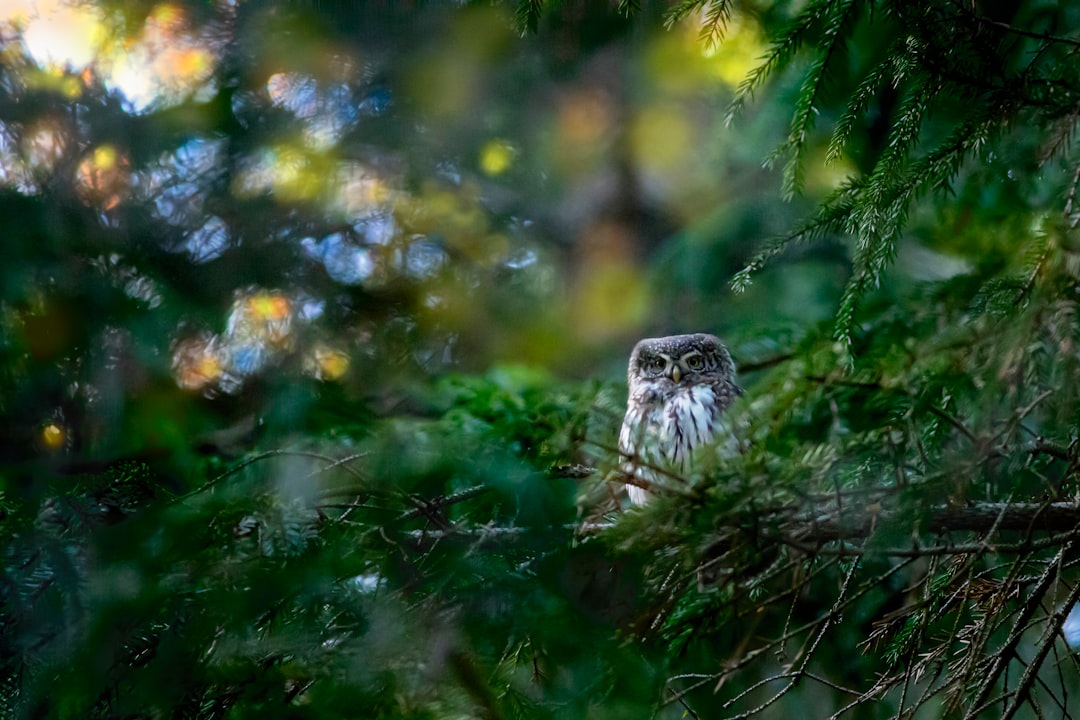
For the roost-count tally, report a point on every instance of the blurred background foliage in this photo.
(310, 310)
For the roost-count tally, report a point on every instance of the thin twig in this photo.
(1005, 653)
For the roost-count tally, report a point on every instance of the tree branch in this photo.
(940, 519)
(810, 531)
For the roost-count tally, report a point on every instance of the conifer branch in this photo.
(813, 532)
(1044, 36)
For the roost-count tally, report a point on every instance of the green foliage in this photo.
(716, 17)
(274, 577)
(937, 60)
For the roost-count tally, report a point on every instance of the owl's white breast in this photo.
(664, 432)
(687, 424)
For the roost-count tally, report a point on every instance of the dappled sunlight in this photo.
(360, 192)
(260, 323)
(392, 233)
(44, 145)
(19, 12)
(345, 260)
(741, 51)
(454, 217)
(208, 241)
(103, 177)
(415, 180)
(263, 329)
(676, 132)
(53, 435)
(370, 217)
(58, 81)
(163, 63)
(366, 173)
(177, 186)
(683, 63)
(420, 259)
(57, 34)
(290, 172)
(199, 362)
(327, 108)
(326, 363)
(497, 156)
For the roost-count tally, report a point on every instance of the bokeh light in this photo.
(740, 52)
(198, 362)
(327, 363)
(497, 156)
(260, 331)
(53, 436)
(103, 177)
(164, 63)
(58, 34)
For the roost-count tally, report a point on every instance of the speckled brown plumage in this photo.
(679, 388)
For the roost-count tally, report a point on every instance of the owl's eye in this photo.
(654, 365)
(695, 362)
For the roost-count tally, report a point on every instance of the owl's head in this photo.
(680, 360)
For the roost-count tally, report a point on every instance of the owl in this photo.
(679, 388)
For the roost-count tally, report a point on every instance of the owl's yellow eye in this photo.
(694, 362)
(654, 365)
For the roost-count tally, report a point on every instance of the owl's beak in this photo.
(676, 373)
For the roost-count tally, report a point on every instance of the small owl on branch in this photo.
(679, 388)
